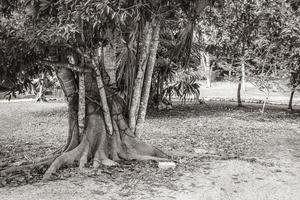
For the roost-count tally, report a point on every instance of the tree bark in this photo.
(68, 85)
(103, 100)
(148, 76)
(109, 62)
(294, 81)
(41, 96)
(82, 104)
(290, 107)
(138, 84)
(207, 68)
(243, 77)
(239, 92)
(265, 103)
(160, 95)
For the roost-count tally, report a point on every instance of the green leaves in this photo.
(185, 86)
(183, 46)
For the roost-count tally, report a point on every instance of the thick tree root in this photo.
(44, 161)
(65, 158)
(74, 141)
(95, 138)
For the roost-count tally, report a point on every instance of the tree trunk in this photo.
(67, 81)
(99, 144)
(148, 76)
(243, 77)
(138, 84)
(103, 100)
(81, 106)
(265, 103)
(41, 96)
(205, 60)
(290, 107)
(239, 92)
(160, 88)
(32, 89)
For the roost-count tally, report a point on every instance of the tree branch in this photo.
(65, 65)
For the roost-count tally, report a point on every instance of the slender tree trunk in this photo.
(239, 92)
(290, 107)
(205, 61)
(41, 96)
(103, 100)
(243, 77)
(265, 102)
(109, 61)
(148, 76)
(82, 104)
(157, 87)
(138, 84)
(32, 89)
(161, 89)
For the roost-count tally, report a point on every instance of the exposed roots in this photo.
(130, 149)
(65, 158)
(101, 149)
(41, 162)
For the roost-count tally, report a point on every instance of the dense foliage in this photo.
(262, 35)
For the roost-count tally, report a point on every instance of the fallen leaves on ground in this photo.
(194, 134)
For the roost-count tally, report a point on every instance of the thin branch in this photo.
(94, 101)
(86, 56)
(65, 65)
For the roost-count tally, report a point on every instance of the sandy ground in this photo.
(231, 179)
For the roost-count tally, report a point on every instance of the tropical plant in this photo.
(186, 86)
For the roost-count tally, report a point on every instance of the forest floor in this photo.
(220, 151)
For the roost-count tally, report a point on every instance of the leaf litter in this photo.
(195, 135)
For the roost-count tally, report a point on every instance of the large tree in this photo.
(103, 53)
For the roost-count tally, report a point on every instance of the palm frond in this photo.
(185, 86)
(183, 46)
